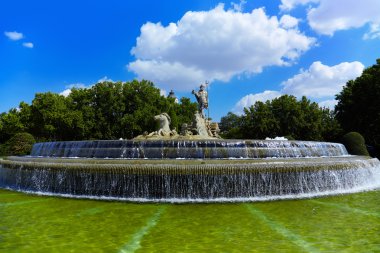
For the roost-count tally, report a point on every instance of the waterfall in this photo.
(192, 182)
(189, 170)
(188, 149)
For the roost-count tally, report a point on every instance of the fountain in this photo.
(193, 166)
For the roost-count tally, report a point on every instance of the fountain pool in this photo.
(190, 170)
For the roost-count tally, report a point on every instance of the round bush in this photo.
(355, 144)
(20, 144)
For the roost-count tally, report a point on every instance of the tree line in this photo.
(107, 110)
(283, 116)
(113, 110)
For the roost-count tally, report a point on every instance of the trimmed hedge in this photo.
(355, 144)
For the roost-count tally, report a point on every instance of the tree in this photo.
(52, 119)
(185, 111)
(358, 108)
(142, 102)
(331, 128)
(109, 107)
(81, 100)
(19, 144)
(259, 121)
(230, 126)
(282, 116)
(10, 124)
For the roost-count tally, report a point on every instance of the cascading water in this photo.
(152, 171)
(188, 149)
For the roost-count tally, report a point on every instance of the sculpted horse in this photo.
(164, 121)
(164, 130)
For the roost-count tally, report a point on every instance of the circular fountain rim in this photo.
(190, 166)
(162, 167)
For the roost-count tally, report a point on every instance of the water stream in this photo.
(188, 149)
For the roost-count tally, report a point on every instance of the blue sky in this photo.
(247, 50)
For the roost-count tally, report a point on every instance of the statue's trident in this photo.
(208, 107)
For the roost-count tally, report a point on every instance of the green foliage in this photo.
(358, 107)
(331, 129)
(230, 126)
(52, 118)
(19, 144)
(355, 143)
(10, 124)
(3, 150)
(185, 111)
(289, 137)
(108, 110)
(283, 116)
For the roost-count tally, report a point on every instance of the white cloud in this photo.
(239, 6)
(28, 44)
(68, 88)
(168, 74)
(328, 104)
(215, 45)
(328, 16)
(288, 21)
(334, 15)
(374, 32)
(287, 5)
(163, 92)
(67, 91)
(105, 79)
(251, 99)
(18, 36)
(14, 35)
(321, 80)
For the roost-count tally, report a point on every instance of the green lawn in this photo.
(346, 223)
